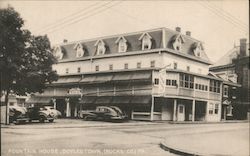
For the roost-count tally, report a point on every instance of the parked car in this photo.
(105, 113)
(17, 114)
(41, 114)
(53, 111)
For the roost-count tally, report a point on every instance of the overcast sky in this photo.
(219, 24)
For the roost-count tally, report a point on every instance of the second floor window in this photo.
(111, 67)
(125, 66)
(67, 70)
(188, 68)
(97, 68)
(152, 64)
(138, 65)
(225, 92)
(186, 81)
(78, 70)
(214, 86)
(175, 65)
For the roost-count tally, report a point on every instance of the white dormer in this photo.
(146, 41)
(178, 41)
(100, 47)
(122, 44)
(79, 50)
(58, 52)
(198, 48)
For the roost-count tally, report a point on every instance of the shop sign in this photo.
(75, 91)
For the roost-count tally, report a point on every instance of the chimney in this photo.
(243, 47)
(178, 29)
(65, 40)
(188, 33)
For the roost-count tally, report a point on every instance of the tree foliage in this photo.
(25, 60)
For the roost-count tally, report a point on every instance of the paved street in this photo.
(77, 137)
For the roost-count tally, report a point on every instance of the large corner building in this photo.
(157, 74)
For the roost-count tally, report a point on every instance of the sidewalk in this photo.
(219, 143)
(76, 123)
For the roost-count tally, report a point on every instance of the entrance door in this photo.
(181, 113)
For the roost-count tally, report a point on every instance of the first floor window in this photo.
(211, 108)
(216, 108)
(174, 83)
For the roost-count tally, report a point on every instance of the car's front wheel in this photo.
(51, 120)
(41, 119)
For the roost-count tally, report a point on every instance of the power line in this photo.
(133, 17)
(85, 17)
(66, 18)
(223, 17)
(79, 16)
(227, 14)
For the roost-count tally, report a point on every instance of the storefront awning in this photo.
(39, 100)
(141, 99)
(88, 79)
(142, 75)
(67, 80)
(103, 78)
(122, 77)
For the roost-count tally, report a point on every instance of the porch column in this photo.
(67, 107)
(193, 110)
(54, 103)
(75, 111)
(174, 113)
(152, 110)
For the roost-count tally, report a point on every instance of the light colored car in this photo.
(53, 111)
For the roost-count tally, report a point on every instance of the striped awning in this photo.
(38, 100)
(67, 80)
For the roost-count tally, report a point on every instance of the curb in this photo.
(183, 152)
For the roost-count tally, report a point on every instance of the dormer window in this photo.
(58, 53)
(178, 40)
(198, 48)
(100, 47)
(79, 50)
(146, 40)
(122, 44)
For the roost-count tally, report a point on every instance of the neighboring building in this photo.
(157, 74)
(234, 67)
(12, 100)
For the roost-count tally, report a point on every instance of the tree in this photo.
(25, 60)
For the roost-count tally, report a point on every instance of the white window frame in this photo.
(101, 49)
(146, 40)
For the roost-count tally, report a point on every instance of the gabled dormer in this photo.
(79, 50)
(100, 47)
(146, 40)
(198, 48)
(178, 40)
(122, 44)
(58, 53)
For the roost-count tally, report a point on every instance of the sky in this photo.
(219, 24)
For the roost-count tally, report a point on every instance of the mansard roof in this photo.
(161, 41)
